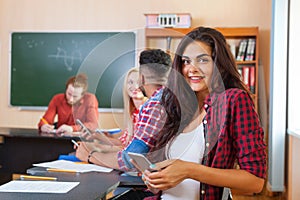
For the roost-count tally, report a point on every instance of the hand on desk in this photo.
(87, 151)
(64, 129)
(47, 128)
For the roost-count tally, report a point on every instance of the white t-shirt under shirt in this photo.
(188, 147)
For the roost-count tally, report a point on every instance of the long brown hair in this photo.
(178, 99)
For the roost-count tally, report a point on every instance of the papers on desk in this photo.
(73, 166)
(38, 186)
(71, 134)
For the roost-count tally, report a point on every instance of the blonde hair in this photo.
(128, 104)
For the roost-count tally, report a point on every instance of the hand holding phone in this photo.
(142, 162)
(83, 127)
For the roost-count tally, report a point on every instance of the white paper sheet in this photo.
(38, 186)
(69, 165)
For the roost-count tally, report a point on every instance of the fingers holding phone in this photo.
(140, 162)
(85, 132)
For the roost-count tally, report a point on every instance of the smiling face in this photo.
(132, 83)
(197, 66)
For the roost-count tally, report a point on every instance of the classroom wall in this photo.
(100, 15)
(293, 172)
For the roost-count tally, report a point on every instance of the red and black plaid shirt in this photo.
(232, 133)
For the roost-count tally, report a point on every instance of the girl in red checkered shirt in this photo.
(205, 89)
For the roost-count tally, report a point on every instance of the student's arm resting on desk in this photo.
(87, 152)
(116, 159)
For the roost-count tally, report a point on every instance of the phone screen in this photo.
(140, 160)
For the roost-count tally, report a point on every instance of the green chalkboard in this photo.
(41, 63)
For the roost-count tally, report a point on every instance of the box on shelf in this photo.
(176, 20)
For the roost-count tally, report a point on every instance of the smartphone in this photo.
(84, 128)
(141, 161)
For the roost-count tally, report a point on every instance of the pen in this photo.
(27, 177)
(61, 170)
(44, 121)
(74, 142)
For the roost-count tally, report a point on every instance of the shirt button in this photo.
(207, 144)
(205, 105)
(205, 121)
(202, 192)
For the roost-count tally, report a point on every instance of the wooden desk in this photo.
(20, 148)
(93, 185)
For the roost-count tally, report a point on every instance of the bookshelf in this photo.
(234, 36)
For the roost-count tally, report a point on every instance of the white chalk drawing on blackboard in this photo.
(33, 43)
(68, 59)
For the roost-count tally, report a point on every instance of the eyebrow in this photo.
(199, 56)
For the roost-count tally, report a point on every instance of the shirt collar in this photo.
(157, 91)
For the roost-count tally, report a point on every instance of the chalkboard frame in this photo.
(111, 59)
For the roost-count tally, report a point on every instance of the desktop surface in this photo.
(22, 147)
(93, 185)
(33, 133)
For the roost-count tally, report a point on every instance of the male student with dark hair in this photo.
(75, 103)
(154, 69)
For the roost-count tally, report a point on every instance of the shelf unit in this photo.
(232, 34)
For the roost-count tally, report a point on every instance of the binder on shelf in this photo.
(246, 75)
(240, 72)
(250, 49)
(233, 49)
(242, 50)
(252, 79)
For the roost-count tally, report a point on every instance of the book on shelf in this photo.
(233, 49)
(240, 72)
(252, 79)
(248, 76)
(250, 49)
(242, 50)
(245, 75)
